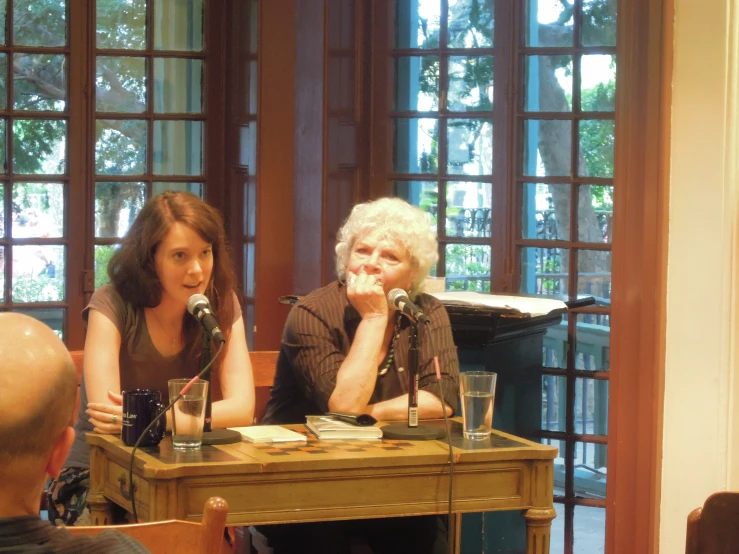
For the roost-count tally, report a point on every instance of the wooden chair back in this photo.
(263, 365)
(714, 528)
(174, 536)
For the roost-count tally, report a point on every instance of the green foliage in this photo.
(38, 288)
(40, 23)
(103, 254)
(121, 24)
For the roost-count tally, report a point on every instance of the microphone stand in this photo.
(412, 430)
(210, 435)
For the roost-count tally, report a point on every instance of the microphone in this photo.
(199, 306)
(398, 299)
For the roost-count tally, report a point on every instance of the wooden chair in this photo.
(714, 528)
(263, 364)
(175, 537)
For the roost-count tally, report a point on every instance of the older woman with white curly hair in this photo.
(344, 349)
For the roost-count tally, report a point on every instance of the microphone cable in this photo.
(153, 421)
(448, 435)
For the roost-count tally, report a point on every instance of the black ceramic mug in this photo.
(140, 407)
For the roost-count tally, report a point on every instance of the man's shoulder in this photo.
(109, 541)
(37, 536)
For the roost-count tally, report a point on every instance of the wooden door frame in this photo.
(642, 160)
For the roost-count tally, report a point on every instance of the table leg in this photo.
(100, 507)
(539, 517)
(538, 529)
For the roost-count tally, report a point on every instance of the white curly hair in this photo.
(408, 225)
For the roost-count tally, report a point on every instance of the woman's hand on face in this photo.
(106, 418)
(366, 294)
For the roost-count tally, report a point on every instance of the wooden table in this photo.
(330, 480)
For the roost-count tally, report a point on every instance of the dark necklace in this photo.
(391, 350)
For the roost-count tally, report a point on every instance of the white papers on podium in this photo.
(523, 305)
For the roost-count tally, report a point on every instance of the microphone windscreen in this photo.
(197, 300)
(395, 296)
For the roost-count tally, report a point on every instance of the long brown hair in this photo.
(133, 273)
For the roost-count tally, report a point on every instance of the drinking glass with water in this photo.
(477, 391)
(188, 413)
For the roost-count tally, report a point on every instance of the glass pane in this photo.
(178, 148)
(471, 23)
(470, 83)
(249, 323)
(177, 85)
(548, 84)
(38, 210)
(40, 146)
(595, 213)
(545, 211)
(3, 79)
(103, 253)
(557, 534)
(554, 350)
(39, 82)
(599, 22)
(53, 317)
(548, 22)
(194, 188)
(38, 273)
(590, 479)
(2, 211)
(415, 146)
(3, 146)
(253, 96)
(3, 18)
(554, 404)
(250, 210)
(417, 24)
(2, 274)
(593, 342)
(38, 23)
(248, 147)
(469, 147)
(597, 137)
(249, 269)
(468, 209)
(467, 267)
(120, 85)
(178, 25)
(589, 528)
(424, 194)
(591, 407)
(120, 147)
(544, 271)
(116, 206)
(121, 24)
(598, 83)
(594, 274)
(547, 147)
(417, 83)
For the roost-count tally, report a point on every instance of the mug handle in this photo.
(156, 433)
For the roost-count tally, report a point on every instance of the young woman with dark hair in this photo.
(139, 334)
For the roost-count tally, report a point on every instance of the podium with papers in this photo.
(505, 334)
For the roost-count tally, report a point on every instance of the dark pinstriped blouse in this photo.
(316, 339)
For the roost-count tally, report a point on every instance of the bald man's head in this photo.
(38, 384)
